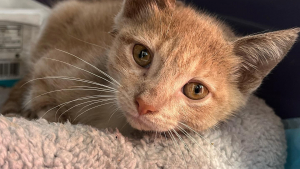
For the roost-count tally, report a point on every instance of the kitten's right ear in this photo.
(260, 54)
(133, 8)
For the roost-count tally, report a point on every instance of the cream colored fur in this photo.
(187, 45)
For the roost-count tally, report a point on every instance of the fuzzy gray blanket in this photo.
(253, 139)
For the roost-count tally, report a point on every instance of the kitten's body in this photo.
(70, 24)
(187, 46)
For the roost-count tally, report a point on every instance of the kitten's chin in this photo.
(144, 125)
(138, 124)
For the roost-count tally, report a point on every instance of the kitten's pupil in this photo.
(198, 89)
(143, 55)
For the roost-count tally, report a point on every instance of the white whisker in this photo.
(91, 109)
(167, 146)
(93, 101)
(68, 78)
(192, 139)
(91, 66)
(105, 48)
(65, 103)
(192, 130)
(126, 122)
(176, 143)
(112, 114)
(181, 129)
(186, 146)
(79, 69)
(89, 87)
(60, 90)
(84, 106)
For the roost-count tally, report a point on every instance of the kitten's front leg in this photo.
(13, 107)
(46, 99)
(20, 95)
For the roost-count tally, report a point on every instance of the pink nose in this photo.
(143, 108)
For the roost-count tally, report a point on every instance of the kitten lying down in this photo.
(154, 65)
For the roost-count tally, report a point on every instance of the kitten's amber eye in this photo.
(141, 55)
(195, 91)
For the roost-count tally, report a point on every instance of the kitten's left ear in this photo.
(260, 54)
(132, 8)
(139, 10)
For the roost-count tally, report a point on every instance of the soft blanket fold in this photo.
(254, 138)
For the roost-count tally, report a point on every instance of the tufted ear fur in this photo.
(132, 8)
(260, 54)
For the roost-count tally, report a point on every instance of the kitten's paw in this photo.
(25, 114)
(29, 114)
(10, 112)
(12, 115)
(52, 115)
(10, 109)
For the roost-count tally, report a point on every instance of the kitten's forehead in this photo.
(186, 37)
(183, 42)
(190, 43)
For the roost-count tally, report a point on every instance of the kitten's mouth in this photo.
(146, 124)
(138, 123)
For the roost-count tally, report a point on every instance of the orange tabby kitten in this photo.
(162, 65)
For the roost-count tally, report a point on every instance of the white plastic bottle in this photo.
(20, 23)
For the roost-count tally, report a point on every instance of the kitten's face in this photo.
(189, 75)
(182, 50)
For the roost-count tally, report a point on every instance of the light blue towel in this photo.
(293, 143)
